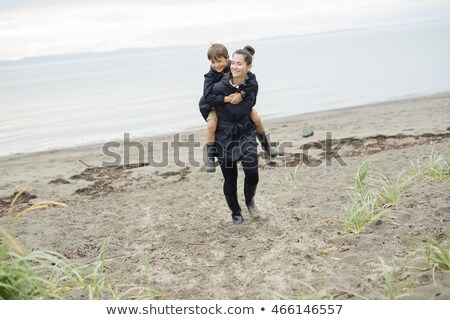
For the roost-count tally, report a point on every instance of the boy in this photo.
(220, 66)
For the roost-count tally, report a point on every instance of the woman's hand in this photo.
(234, 98)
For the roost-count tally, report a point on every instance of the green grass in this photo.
(306, 291)
(292, 180)
(49, 275)
(361, 175)
(362, 213)
(388, 281)
(34, 275)
(437, 254)
(371, 198)
(437, 167)
(44, 274)
(417, 170)
(392, 286)
(391, 190)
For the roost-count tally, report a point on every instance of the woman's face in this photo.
(239, 68)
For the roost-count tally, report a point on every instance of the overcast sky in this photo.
(49, 27)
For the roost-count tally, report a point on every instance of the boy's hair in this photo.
(217, 51)
(247, 52)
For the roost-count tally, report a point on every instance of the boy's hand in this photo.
(236, 98)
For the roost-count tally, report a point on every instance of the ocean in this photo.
(66, 101)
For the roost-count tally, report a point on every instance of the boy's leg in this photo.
(254, 116)
(261, 134)
(211, 127)
(210, 139)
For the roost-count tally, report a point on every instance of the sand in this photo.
(174, 221)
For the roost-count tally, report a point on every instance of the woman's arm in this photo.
(250, 89)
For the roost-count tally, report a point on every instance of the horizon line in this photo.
(89, 54)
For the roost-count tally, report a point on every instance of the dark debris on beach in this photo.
(21, 202)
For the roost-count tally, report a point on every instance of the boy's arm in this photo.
(249, 99)
(234, 98)
(209, 96)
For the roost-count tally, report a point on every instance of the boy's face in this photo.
(219, 64)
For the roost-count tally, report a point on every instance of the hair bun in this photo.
(250, 50)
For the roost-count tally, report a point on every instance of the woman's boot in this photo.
(233, 204)
(249, 192)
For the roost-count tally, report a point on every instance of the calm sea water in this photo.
(48, 105)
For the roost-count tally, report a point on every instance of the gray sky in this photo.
(50, 27)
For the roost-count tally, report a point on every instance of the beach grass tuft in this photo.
(361, 175)
(362, 212)
(292, 179)
(391, 190)
(44, 274)
(394, 288)
(373, 194)
(437, 254)
(306, 291)
(437, 167)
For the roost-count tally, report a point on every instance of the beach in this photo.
(171, 220)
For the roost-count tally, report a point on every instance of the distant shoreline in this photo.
(88, 56)
(270, 122)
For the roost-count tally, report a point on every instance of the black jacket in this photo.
(209, 99)
(232, 112)
(236, 133)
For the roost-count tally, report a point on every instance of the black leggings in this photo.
(230, 173)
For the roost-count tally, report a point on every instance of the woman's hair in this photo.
(217, 51)
(247, 52)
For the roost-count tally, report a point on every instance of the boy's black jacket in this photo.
(209, 98)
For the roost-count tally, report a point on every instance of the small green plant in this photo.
(307, 292)
(388, 281)
(35, 275)
(417, 170)
(361, 175)
(437, 167)
(44, 274)
(391, 190)
(362, 212)
(391, 288)
(292, 179)
(438, 255)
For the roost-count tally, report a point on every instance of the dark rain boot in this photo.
(265, 144)
(210, 162)
(249, 192)
(233, 204)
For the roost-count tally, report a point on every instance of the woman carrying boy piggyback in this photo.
(220, 66)
(231, 125)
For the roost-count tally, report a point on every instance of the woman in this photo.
(236, 133)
